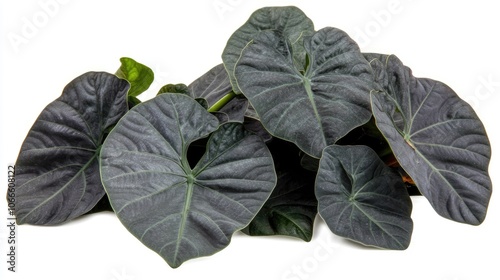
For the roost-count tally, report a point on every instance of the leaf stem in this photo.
(223, 101)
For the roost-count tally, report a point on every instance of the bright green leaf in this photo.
(138, 75)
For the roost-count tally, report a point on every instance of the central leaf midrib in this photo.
(184, 214)
(310, 95)
(190, 182)
(414, 115)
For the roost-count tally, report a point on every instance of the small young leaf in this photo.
(292, 207)
(57, 170)
(178, 211)
(437, 138)
(174, 88)
(289, 21)
(312, 110)
(362, 199)
(138, 75)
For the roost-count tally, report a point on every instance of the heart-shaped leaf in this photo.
(178, 211)
(57, 171)
(362, 199)
(292, 207)
(437, 138)
(312, 110)
(289, 21)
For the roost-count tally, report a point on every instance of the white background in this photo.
(45, 46)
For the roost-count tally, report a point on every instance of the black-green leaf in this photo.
(178, 211)
(289, 21)
(362, 199)
(292, 207)
(211, 86)
(315, 109)
(57, 171)
(174, 88)
(216, 91)
(437, 138)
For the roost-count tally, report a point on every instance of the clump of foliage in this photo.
(294, 122)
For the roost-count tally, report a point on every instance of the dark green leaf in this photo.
(101, 206)
(174, 88)
(289, 21)
(215, 89)
(437, 138)
(178, 211)
(309, 163)
(133, 101)
(312, 110)
(211, 86)
(255, 126)
(57, 169)
(292, 207)
(138, 75)
(233, 111)
(362, 199)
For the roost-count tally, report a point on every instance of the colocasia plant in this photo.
(294, 122)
